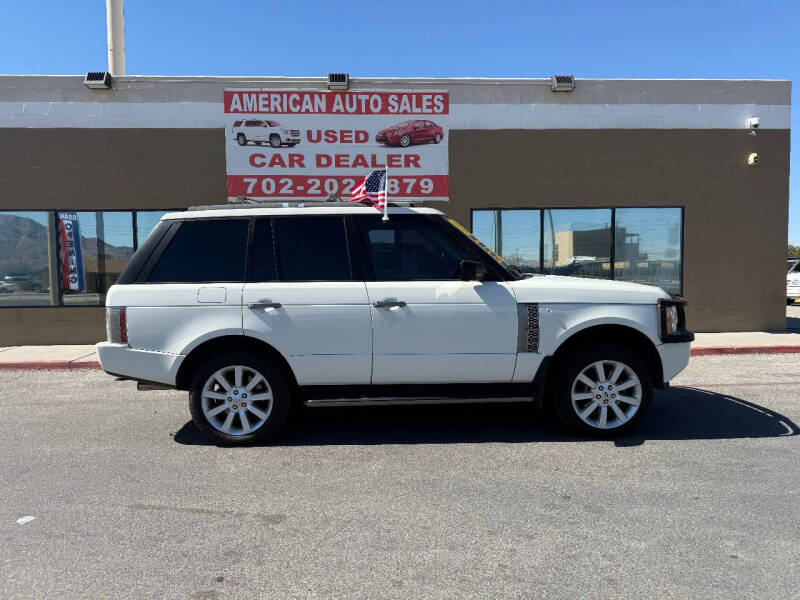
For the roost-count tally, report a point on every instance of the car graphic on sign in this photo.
(417, 131)
(262, 131)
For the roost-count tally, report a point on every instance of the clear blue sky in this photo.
(432, 38)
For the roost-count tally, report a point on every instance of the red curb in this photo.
(49, 364)
(716, 350)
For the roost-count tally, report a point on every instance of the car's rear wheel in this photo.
(275, 140)
(241, 139)
(603, 391)
(239, 398)
(405, 141)
(437, 138)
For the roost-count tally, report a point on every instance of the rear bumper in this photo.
(674, 358)
(141, 365)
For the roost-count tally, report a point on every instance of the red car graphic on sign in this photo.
(418, 131)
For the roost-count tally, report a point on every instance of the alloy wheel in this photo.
(606, 394)
(237, 400)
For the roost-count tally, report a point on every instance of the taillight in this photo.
(117, 325)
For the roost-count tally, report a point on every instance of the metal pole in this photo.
(115, 30)
(52, 258)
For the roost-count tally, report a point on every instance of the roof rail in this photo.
(293, 204)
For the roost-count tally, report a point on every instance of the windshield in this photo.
(511, 270)
(792, 263)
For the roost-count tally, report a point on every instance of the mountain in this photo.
(23, 246)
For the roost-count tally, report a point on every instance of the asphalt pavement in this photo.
(129, 501)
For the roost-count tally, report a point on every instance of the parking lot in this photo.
(486, 501)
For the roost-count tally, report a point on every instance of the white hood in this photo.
(555, 288)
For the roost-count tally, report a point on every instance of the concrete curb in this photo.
(718, 350)
(49, 364)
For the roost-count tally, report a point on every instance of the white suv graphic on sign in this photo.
(261, 131)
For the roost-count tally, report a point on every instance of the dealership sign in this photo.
(69, 234)
(301, 144)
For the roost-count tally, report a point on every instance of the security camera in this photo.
(753, 159)
(753, 122)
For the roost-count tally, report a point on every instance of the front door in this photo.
(301, 298)
(429, 326)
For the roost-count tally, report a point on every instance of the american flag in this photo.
(372, 188)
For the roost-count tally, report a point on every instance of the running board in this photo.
(398, 401)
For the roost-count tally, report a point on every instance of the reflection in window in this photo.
(647, 246)
(24, 271)
(146, 220)
(519, 239)
(94, 247)
(577, 242)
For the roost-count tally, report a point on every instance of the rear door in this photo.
(305, 299)
(429, 326)
(190, 289)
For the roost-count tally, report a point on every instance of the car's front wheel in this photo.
(239, 398)
(603, 391)
(405, 141)
(241, 139)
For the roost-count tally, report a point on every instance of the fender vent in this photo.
(528, 332)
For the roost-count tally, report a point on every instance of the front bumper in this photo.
(141, 365)
(674, 358)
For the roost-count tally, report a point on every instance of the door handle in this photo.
(388, 303)
(263, 303)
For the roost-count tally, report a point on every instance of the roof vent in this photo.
(97, 80)
(338, 81)
(562, 83)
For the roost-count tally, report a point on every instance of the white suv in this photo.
(264, 132)
(792, 280)
(254, 309)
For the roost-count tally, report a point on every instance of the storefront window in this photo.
(520, 232)
(577, 242)
(513, 234)
(94, 247)
(24, 270)
(146, 220)
(647, 246)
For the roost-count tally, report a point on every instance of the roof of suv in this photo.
(248, 210)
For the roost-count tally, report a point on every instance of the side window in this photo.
(204, 251)
(410, 248)
(252, 123)
(262, 261)
(312, 249)
(237, 123)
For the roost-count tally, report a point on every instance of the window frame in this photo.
(613, 209)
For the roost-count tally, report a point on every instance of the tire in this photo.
(275, 140)
(789, 301)
(241, 139)
(437, 138)
(263, 417)
(574, 397)
(405, 141)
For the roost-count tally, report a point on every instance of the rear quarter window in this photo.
(204, 251)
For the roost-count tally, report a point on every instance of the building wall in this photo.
(735, 215)
(158, 143)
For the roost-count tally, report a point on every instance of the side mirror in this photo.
(471, 270)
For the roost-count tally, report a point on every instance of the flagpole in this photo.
(386, 198)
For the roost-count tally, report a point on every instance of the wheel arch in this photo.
(615, 334)
(233, 343)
